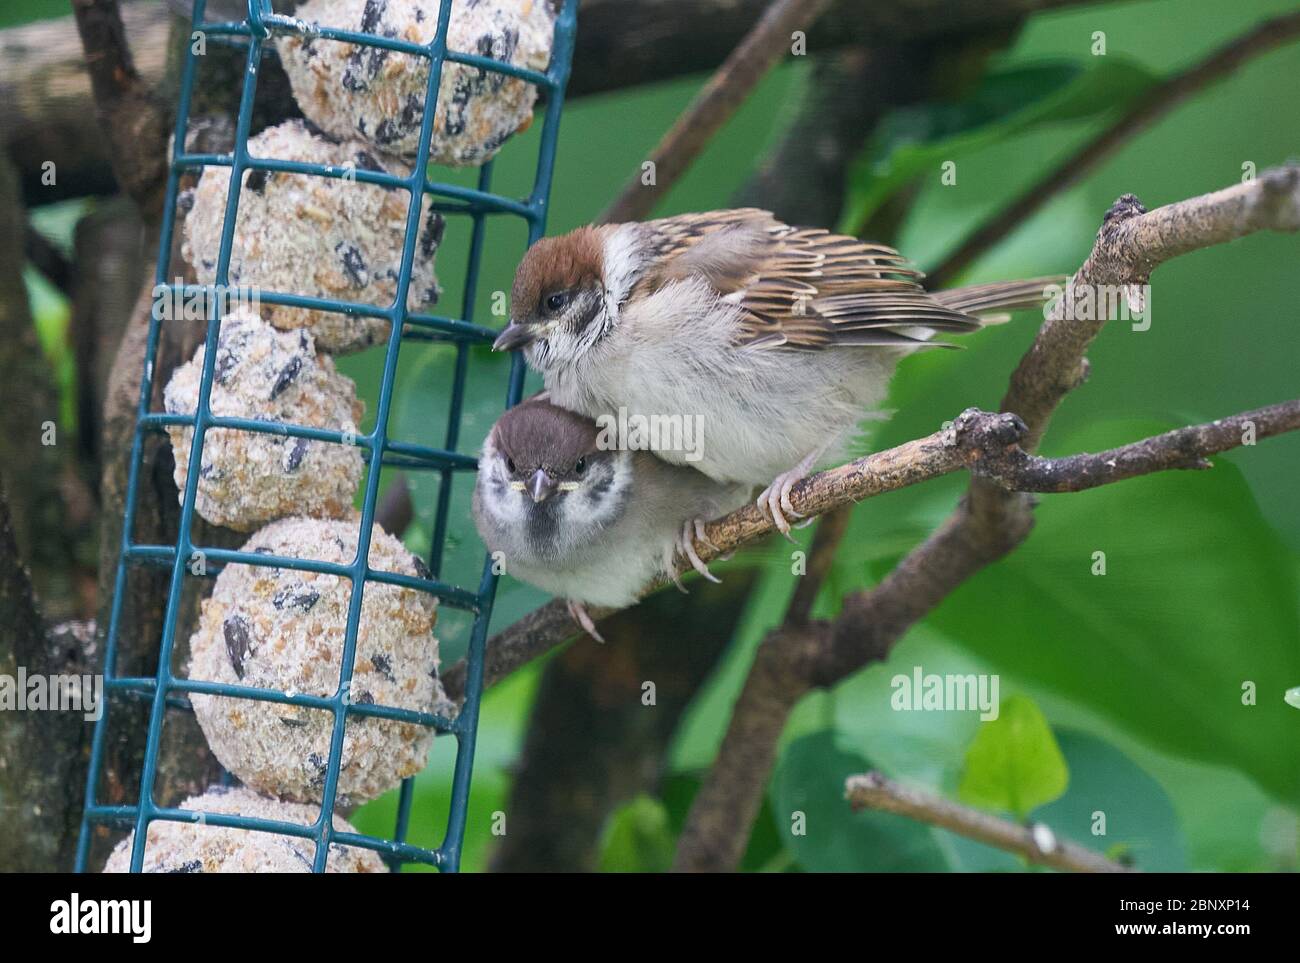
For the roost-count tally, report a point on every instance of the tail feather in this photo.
(998, 295)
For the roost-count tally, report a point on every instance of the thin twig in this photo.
(826, 541)
(1148, 108)
(714, 105)
(1036, 843)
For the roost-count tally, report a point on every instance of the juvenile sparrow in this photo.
(583, 522)
(782, 338)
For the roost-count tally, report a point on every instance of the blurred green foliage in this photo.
(1143, 672)
(20, 11)
(914, 141)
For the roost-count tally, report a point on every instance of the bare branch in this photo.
(133, 119)
(45, 93)
(1131, 244)
(1146, 110)
(986, 444)
(1036, 843)
(989, 522)
(714, 105)
(1186, 448)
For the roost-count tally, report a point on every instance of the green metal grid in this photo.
(164, 690)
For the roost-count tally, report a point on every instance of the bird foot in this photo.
(775, 498)
(693, 531)
(579, 615)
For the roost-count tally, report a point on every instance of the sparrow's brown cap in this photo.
(555, 264)
(538, 434)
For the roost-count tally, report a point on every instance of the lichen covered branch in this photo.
(1036, 843)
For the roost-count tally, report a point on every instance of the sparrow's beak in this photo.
(541, 486)
(515, 335)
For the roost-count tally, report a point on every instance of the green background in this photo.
(1139, 672)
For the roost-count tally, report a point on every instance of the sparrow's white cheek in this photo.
(604, 496)
(536, 354)
(505, 501)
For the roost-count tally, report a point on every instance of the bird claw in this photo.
(775, 498)
(670, 567)
(579, 615)
(766, 503)
(692, 530)
(770, 499)
(701, 537)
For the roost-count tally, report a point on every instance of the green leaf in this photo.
(1196, 609)
(817, 825)
(638, 839)
(920, 139)
(1014, 763)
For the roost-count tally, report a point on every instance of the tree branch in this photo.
(1130, 245)
(622, 42)
(45, 93)
(988, 445)
(1182, 448)
(714, 105)
(989, 522)
(133, 119)
(1036, 843)
(1141, 114)
(41, 753)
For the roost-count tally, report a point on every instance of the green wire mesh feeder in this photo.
(166, 690)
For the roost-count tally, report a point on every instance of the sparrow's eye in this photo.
(580, 467)
(510, 464)
(557, 301)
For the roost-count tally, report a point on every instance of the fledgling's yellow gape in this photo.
(582, 519)
(781, 339)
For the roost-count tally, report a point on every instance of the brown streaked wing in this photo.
(820, 290)
(725, 248)
(799, 287)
